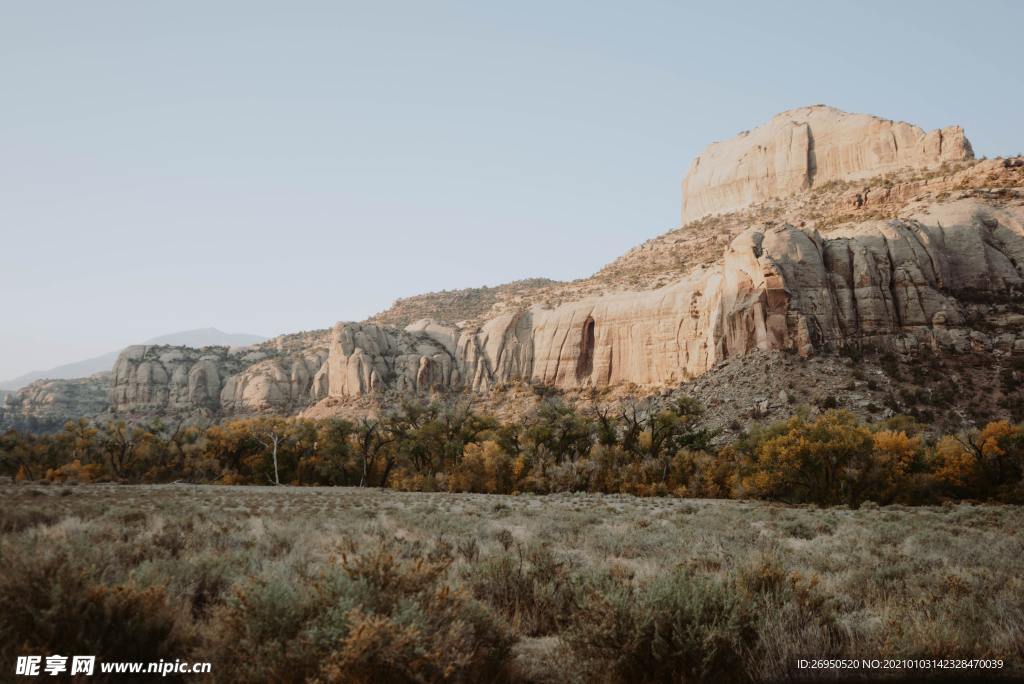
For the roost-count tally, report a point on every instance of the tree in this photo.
(556, 432)
(79, 439)
(226, 450)
(674, 428)
(606, 432)
(333, 451)
(302, 443)
(19, 455)
(657, 429)
(813, 461)
(119, 441)
(371, 440)
(181, 439)
(986, 463)
(999, 449)
(271, 433)
(883, 476)
(634, 416)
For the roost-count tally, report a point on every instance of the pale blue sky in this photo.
(273, 167)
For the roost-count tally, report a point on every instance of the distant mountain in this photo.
(206, 337)
(200, 337)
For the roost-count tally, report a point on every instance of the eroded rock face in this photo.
(805, 147)
(903, 283)
(779, 288)
(365, 357)
(279, 384)
(896, 281)
(217, 380)
(155, 378)
(45, 405)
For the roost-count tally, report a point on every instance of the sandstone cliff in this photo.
(276, 375)
(45, 405)
(810, 146)
(897, 283)
(924, 258)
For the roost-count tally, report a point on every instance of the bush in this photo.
(274, 626)
(794, 618)
(532, 590)
(51, 606)
(680, 628)
(18, 519)
(443, 636)
(422, 631)
(373, 617)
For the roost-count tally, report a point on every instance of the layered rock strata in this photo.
(899, 282)
(807, 147)
(149, 379)
(45, 405)
(896, 282)
(946, 275)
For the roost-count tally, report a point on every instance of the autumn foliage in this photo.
(645, 448)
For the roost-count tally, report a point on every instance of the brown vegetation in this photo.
(347, 584)
(653, 447)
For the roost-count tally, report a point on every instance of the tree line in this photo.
(652, 447)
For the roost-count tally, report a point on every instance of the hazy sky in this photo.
(274, 167)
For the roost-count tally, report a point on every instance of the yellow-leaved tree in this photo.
(987, 463)
(819, 461)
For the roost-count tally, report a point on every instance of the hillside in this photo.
(469, 304)
(200, 337)
(904, 259)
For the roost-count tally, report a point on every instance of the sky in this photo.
(270, 167)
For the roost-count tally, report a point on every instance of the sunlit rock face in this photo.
(895, 282)
(802, 148)
(903, 283)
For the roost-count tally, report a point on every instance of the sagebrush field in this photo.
(350, 584)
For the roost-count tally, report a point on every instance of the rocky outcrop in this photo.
(45, 405)
(903, 283)
(365, 358)
(900, 283)
(895, 283)
(360, 358)
(928, 279)
(214, 380)
(282, 383)
(153, 378)
(803, 148)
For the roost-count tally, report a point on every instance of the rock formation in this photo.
(903, 267)
(45, 405)
(802, 148)
(217, 380)
(778, 288)
(364, 358)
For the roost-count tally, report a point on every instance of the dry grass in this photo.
(362, 585)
